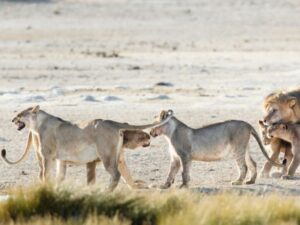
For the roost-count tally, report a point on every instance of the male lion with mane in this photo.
(282, 106)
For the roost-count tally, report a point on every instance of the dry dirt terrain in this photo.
(81, 60)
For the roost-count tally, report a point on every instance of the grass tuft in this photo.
(47, 205)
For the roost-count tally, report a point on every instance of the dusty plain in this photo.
(81, 60)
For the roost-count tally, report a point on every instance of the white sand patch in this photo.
(57, 91)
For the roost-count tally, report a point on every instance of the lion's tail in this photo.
(153, 125)
(3, 152)
(255, 135)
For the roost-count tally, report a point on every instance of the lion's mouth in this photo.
(20, 125)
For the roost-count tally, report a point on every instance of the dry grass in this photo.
(45, 205)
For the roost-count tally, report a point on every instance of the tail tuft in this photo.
(3, 153)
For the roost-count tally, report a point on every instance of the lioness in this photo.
(277, 146)
(280, 106)
(290, 133)
(132, 139)
(208, 143)
(60, 140)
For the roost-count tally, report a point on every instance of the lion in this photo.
(55, 139)
(209, 143)
(280, 106)
(132, 139)
(291, 133)
(277, 146)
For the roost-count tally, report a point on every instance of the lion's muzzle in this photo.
(20, 125)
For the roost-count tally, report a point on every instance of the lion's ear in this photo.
(35, 109)
(292, 102)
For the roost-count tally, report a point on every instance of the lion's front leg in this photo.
(122, 166)
(47, 161)
(174, 168)
(46, 167)
(37, 147)
(40, 163)
(61, 168)
(125, 173)
(186, 164)
(111, 165)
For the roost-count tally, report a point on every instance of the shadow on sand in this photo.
(257, 189)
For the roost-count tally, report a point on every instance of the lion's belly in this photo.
(210, 153)
(80, 154)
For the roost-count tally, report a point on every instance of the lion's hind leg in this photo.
(91, 172)
(239, 146)
(242, 168)
(240, 158)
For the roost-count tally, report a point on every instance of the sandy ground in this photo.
(101, 59)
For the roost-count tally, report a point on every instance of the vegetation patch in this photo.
(46, 205)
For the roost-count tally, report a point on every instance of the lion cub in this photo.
(209, 143)
(277, 146)
(290, 133)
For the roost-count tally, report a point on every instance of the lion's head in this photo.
(136, 138)
(157, 131)
(26, 117)
(277, 130)
(281, 107)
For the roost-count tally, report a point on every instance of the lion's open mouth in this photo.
(20, 125)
